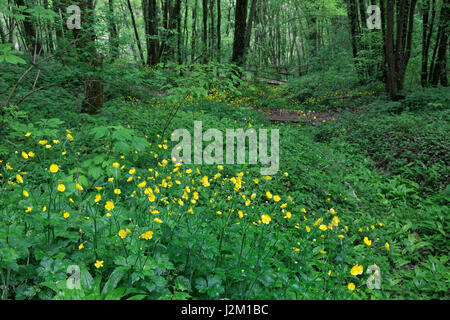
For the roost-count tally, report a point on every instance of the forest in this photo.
(224, 149)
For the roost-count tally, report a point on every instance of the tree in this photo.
(90, 61)
(240, 28)
(398, 43)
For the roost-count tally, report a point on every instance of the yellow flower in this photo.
(288, 215)
(323, 227)
(79, 187)
(266, 219)
(276, 198)
(367, 241)
(98, 264)
(269, 195)
(109, 205)
(117, 191)
(61, 188)
(158, 220)
(66, 215)
(132, 171)
(81, 246)
(19, 178)
(351, 286)
(303, 210)
(98, 197)
(25, 193)
(340, 236)
(69, 136)
(387, 246)
(48, 146)
(54, 168)
(31, 154)
(24, 155)
(308, 229)
(44, 208)
(148, 235)
(142, 184)
(110, 180)
(122, 234)
(28, 134)
(332, 211)
(116, 165)
(42, 142)
(29, 209)
(356, 270)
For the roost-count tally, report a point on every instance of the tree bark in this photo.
(240, 25)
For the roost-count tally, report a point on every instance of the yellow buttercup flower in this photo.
(387, 246)
(351, 286)
(54, 168)
(147, 235)
(158, 220)
(367, 241)
(61, 188)
(323, 227)
(79, 187)
(116, 165)
(98, 197)
(122, 234)
(81, 246)
(266, 219)
(19, 178)
(117, 191)
(276, 198)
(24, 155)
(356, 270)
(66, 215)
(109, 205)
(98, 264)
(25, 193)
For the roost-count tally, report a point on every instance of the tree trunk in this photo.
(205, 30)
(32, 41)
(240, 25)
(113, 34)
(251, 18)
(89, 60)
(219, 22)
(397, 53)
(136, 34)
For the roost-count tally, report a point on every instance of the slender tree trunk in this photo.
(219, 22)
(32, 40)
(89, 59)
(240, 25)
(113, 34)
(2, 33)
(205, 30)
(194, 32)
(251, 18)
(439, 72)
(136, 33)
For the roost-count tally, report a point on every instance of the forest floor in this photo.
(358, 210)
